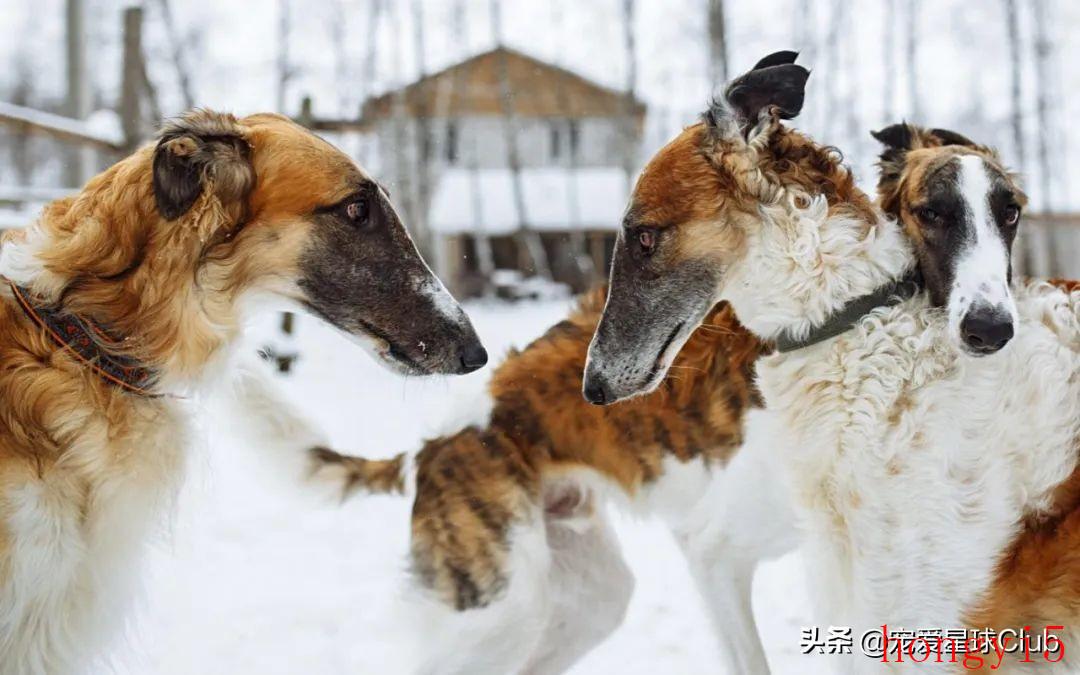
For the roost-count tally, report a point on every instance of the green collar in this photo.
(850, 314)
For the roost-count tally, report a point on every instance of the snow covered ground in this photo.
(253, 576)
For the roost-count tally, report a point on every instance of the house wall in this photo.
(481, 141)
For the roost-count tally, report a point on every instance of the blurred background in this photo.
(508, 132)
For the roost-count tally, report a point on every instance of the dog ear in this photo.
(898, 139)
(201, 150)
(895, 136)
(775, 86)
(947, 137)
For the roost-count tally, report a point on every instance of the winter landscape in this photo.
(508, 133)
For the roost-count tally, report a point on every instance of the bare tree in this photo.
(718, 54)
(485, 256)
(912, 59)
(284, 67)
(528, 240)
(80, 163)
(806, 39)
(583, 262)
(1016, 115)
(629, 116)
(888, 44)
(367, 76)
(424, 141)
(183, 74)
(1042, 250)
(403, 174)
(831, 59)
(22, 94)
(1043, 50)
(339, 23)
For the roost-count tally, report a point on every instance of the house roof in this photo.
(556, 199)
(540, 89)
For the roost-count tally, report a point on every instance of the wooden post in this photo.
(80, 163)
(131, 82)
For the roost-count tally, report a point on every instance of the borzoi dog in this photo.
(122, 301)
(937, 489)
(514, 564)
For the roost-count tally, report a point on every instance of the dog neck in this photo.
(107, 256)
(805, 265)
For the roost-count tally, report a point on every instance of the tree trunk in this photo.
(583, 262)
(528, 240)
(1042, 247)
(718, 56)
(888, 43)
(177, 49)
(80, 164)
(284, 69)
(424, 145)
(485, 257)
(912, 59)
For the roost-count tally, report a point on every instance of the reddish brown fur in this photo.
(112, 257)
(700, 181)
(472, 486)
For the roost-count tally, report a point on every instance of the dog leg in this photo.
(496, 638)
(591, 587)
(743, 519)
(251, 403)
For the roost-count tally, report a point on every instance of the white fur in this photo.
(797, 272)
(982, 268)
(569, 585)
(912, 464)
(71, 572)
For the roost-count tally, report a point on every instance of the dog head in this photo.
(688, 219)
(280, 213)
(961, 209)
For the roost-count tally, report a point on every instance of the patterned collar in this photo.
(90, 343)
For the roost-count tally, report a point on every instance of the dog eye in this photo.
(928, 215)
(357, 211)
(647, 241)
(1012, 214)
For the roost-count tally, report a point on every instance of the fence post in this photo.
(132, 78)
(80, 165)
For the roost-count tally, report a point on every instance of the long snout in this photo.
(452, 346)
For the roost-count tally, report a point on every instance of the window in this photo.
(451, 143)
(556, 140)
(575, 138)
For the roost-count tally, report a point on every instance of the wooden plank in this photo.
(22, 194)
(58, 126)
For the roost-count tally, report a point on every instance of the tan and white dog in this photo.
(936, 485)
(122, 302)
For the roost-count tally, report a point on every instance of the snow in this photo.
(555, 199)
(101, 128)
(254, 576)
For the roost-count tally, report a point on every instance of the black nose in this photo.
(595, 391)
(473, 357)
(986, 332)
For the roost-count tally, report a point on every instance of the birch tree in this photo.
(718, 52)
(888, 44)
(911, 57)
(176, 49)
(528, 240)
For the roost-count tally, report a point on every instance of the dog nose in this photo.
(473, 357)
(986, 332)
(595, 391)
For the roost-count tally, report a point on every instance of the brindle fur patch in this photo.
(473, 486)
